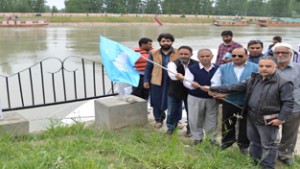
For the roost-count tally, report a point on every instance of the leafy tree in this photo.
(231, 7)
(38, 5)
(257, 8)
(280, 8)
(295, 7)
(205, 7)
(54, 9)
(84, 6)
(134, 6)
(153, 7)
(174, 6)
(116, 6)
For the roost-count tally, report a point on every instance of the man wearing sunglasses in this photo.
(291, 71)
(255, 48)
(231, 73)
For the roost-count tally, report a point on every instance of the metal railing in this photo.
(54, 81)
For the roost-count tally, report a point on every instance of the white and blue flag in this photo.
(118, 61)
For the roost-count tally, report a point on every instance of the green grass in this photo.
(77, 147)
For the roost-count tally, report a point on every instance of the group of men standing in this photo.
(270, 98)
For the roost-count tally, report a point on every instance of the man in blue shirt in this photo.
(231, 73)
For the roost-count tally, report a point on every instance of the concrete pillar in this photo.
(113, 112)
(14, 124)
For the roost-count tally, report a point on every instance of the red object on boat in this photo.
(158, 21)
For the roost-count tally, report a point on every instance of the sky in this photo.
(58, 3)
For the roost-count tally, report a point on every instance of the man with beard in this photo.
(225, 49)
(156, 78)
(291, 71)
(255, 48)
(177, 93)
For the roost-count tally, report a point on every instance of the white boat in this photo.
(16, 22)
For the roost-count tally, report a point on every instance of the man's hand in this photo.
(196, 85)
(205, 88)
(146, 85)
(275, 122)
(179, 76)
(217, 95)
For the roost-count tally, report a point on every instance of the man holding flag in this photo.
(156, 77)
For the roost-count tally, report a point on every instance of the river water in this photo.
(22, 47)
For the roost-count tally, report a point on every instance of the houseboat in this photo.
(234, 22)
(290, 22)
(16, 22)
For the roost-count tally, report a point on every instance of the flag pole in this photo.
(223, 99)
(163, 68)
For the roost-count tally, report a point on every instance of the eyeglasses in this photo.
(284, 53)
(240, 56)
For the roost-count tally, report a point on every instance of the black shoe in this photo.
(188, 134)
(214, 143)
(196, 142)
(169, 132)
(225, 146)
(287, 161)
(244, 151)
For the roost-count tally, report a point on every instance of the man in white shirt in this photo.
(203, 108)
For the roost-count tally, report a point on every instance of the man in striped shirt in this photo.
(225, 49)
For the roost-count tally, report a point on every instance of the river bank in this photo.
(120, 23)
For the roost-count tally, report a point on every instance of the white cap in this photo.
(282, 45)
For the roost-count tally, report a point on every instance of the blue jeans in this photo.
(174, 112)
(263, 143)
(159, 115)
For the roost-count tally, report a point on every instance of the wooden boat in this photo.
(234, 22)
(16, 22)
(290, 22)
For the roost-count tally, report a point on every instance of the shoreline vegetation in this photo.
(97, 19)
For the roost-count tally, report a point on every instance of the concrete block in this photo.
(113, 112)
(14, 124)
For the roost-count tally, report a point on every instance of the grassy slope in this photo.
(135, 147)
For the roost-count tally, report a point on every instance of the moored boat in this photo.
(234, 22)
(290, 22)
(16, 22)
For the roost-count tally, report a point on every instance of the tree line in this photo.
(276, 8)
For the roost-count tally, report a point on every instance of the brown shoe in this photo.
(158, 125)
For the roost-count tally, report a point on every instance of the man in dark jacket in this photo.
(269, 98)
(177, 93)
